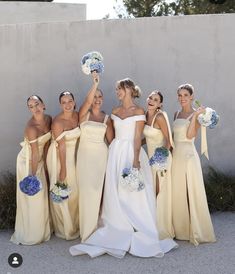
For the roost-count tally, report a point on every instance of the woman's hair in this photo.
(188, 87)
(158, 93)
(128, 83)
(100, 91)
(64, 93)
(36, 97)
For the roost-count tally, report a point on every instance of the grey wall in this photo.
(34, 12)
(157, 53)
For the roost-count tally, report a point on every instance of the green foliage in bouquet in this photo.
(220, 190)
(7, 200)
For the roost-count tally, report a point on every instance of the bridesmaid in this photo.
(157, 133)
(61, 167)
(32, 214)
(191, 217)
(96, 131)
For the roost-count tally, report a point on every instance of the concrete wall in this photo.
(34, 12)
(157, 53)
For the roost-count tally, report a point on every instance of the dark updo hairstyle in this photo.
(188, 87)
(36, 97)
(128, 83)
(158, 93)
(64, 93)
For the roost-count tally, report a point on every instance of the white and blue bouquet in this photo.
(92, 61)
(159, 159)
(60, 192)
(208, 119)
(30, 185)
(131, 179)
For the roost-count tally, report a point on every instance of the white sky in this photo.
(96, 9)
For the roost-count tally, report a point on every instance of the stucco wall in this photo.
(157, 53)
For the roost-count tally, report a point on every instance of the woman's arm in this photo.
(162, 124)
(194, 124)
(89, 98)
(137, 138)
(110, 131)
(137, 142)
(31, 134)
(57, 129)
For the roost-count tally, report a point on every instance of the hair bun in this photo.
(136, 92)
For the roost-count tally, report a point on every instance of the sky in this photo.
(96, 9)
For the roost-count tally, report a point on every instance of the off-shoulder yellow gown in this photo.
(154, 138)
(32, 213)
(64, 215)
(191, 217)
(91, 165)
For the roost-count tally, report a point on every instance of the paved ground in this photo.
(53, 256)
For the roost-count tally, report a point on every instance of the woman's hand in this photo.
(199, 111)
(96, 78)
(136, 164)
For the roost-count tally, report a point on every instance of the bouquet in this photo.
(159, 159)
(92, 61)
(60, 192)
(131, 179)
(30, 185)
(208, 119)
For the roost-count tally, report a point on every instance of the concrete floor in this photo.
(53, 256)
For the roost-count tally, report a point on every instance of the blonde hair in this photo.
(128, 83)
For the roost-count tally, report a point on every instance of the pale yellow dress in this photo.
(32, 213)
(155, 138)
(64, 215)
(191, 217)
(91, 165)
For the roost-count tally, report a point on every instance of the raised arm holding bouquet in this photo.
(96, 133)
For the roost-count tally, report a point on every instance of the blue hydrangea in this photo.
(126, 171)
(160, 156)
(214, 120)
(30, 185)
(98, 67)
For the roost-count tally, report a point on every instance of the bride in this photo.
(128, 219)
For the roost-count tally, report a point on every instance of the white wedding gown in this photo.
(128, 219)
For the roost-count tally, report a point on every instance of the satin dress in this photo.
(32, 213)
(191, 217)
(154, 139)
(128, 219)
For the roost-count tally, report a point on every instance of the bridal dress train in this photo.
(32, 213)
(191, 217)
(128, 219)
